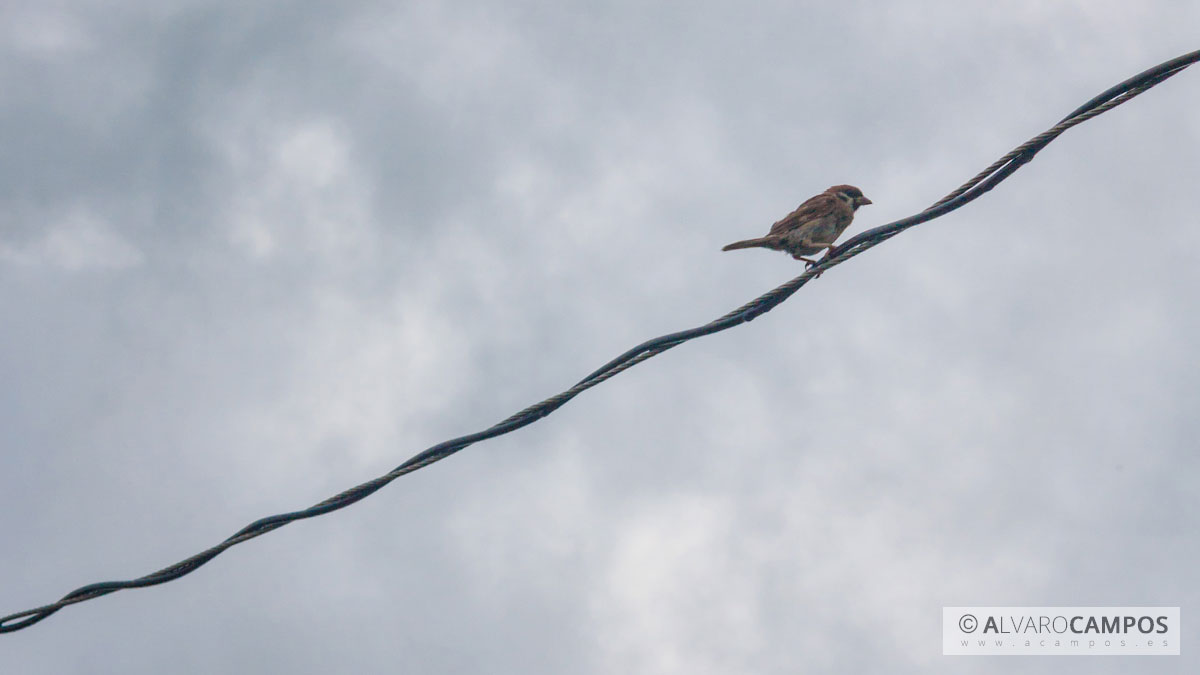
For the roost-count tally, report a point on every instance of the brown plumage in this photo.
(813, 226)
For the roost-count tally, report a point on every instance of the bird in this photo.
(813, 226)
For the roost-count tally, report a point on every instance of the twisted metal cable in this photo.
(968, 192)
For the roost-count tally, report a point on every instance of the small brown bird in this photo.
(813, 226)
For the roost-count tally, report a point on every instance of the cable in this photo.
(968, 192)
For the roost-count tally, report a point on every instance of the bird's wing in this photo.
(817, 206)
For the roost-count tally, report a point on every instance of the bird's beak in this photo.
(863, 201)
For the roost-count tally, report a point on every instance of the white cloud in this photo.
(679, 593)
(297, 189)
(80, 241)
(42, 30)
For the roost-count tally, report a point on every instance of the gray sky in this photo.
(254, 253)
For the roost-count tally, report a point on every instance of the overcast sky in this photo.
(254, 253)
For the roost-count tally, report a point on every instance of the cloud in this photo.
(77, 242)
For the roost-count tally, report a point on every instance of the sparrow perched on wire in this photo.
(813, 226)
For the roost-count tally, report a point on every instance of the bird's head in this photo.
(849, 194)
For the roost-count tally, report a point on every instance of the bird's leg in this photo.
(811, 262)
(806, 244)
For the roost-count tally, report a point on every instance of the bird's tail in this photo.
(763, 242)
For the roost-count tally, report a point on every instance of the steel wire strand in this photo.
(981, 183)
